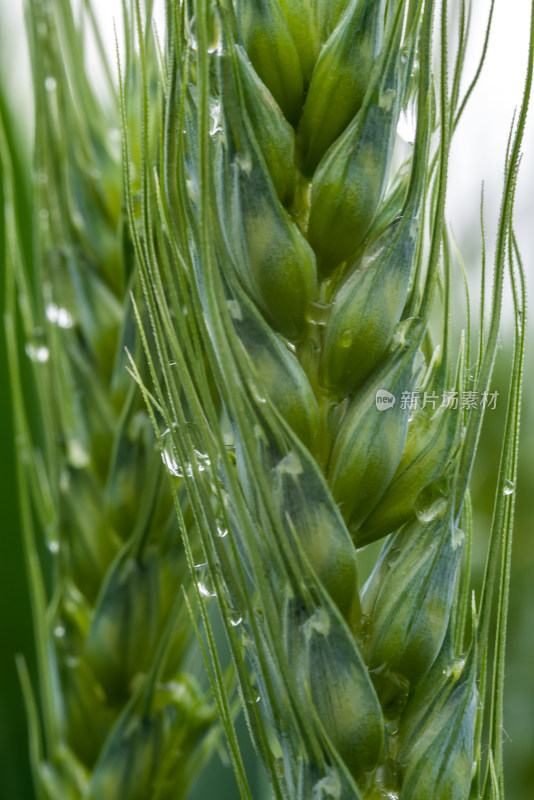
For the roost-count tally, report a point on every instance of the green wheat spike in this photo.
(312, 286)
(275, 266)
(123, 715)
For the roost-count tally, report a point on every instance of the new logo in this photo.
(384, 400)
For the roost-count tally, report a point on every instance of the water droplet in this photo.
(38, 353)
(319, 313)
(244, 162)
(216, 119)
(205, 586)
(330, 786)
(236, 622)
(345, 340)
(59, 316)
(366, 627)
(203, 460)
(216, 48)
(191, 190)
(393, 556)
(318, 622)
(172, 464)
(290, 465)
(258, 698)
(407, 125)
(222, 532)
(50, 84)
(258, 396)
(59, 631)
(235, 310)
(51, 537)
(509, 487)
(215, 43)
(428, 510)
(77, 455)
(64, 480)
(403, 331)
(169, 458)
(191, 37)
(386, 98)
(457, 538)
(455, 668)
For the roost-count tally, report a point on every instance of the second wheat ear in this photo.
(121, 712)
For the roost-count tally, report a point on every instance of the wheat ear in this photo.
(122, 713)
(290, 265)
(278, 242)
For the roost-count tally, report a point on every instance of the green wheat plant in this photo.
(260, 285)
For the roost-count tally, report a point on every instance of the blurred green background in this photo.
(467, 172)
(15, 619)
